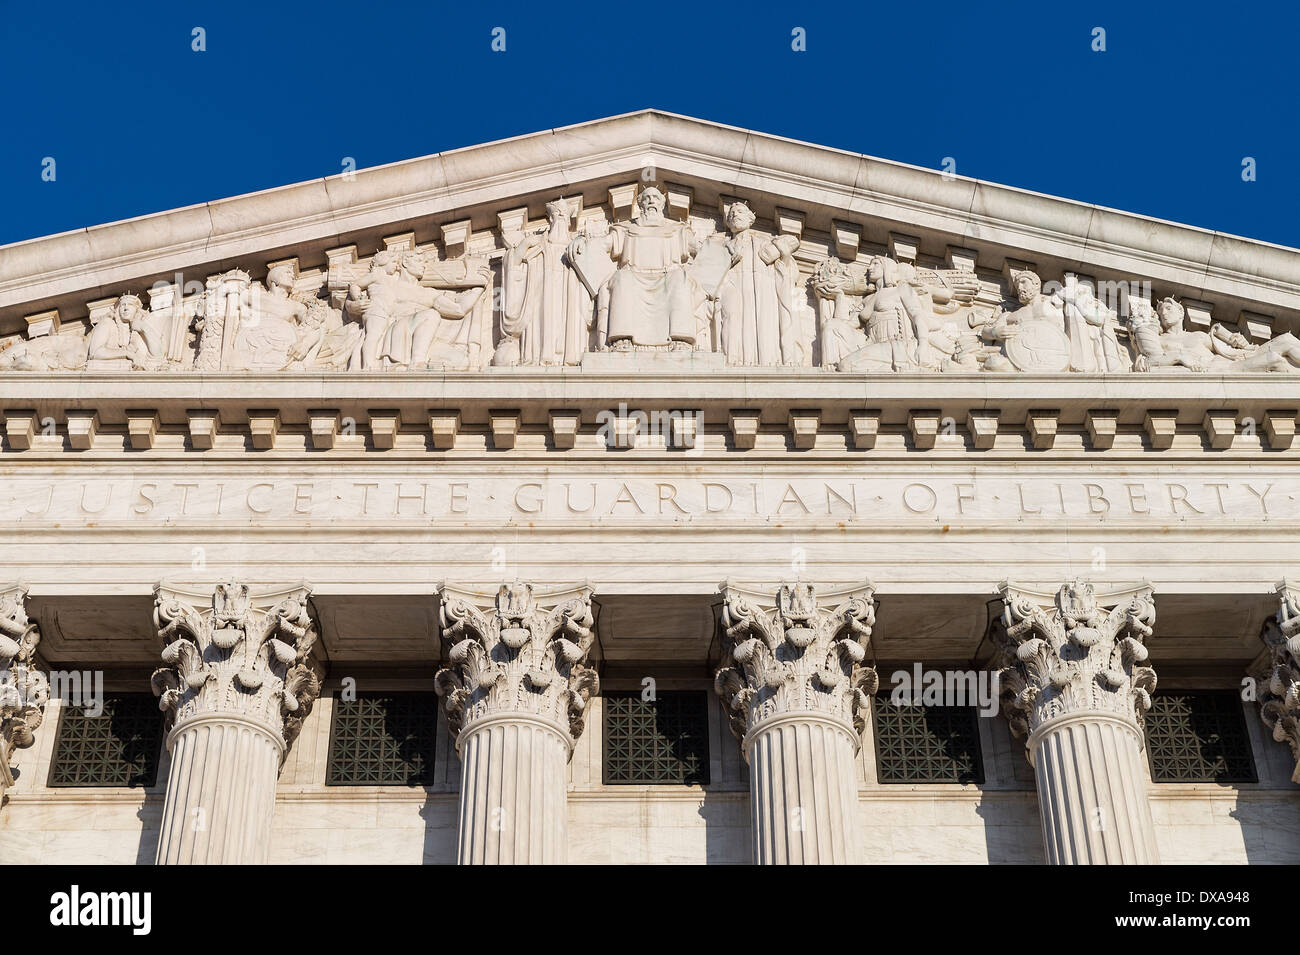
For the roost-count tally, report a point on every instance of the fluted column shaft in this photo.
(1092, 792)
(238, 681)
(513, 799)
(793, 678)
(515, 692)
(220, 792)
(1074, 683)
(803, 786)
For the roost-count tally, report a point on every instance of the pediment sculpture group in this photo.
(650, 284)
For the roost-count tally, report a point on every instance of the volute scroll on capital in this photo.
(1278, 678)
(24, 689)
(247, 655)
(796, 651)
(1067, 654)
(518, 652)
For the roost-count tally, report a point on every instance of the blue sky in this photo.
(1159, 123)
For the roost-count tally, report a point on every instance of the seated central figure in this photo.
(650, 301)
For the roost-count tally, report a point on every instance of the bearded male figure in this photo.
(756, 297)
(650, 302)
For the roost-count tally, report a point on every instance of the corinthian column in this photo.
(237, 683)
(23, 688)
(515, 692)
(1279, 680)
(1074, 684)
(793, 680)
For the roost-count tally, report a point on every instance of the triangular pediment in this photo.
(960, 243)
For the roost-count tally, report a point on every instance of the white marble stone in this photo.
(236, 694)
(427, 371)
(794, 681)
(515, 695)
(1075, 684)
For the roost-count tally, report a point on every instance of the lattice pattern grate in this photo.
(927, 744)
(1198, 737)
(383, 739)
(119, 747)
(665, 740)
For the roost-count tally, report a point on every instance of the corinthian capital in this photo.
(793, 652)
(1279, 683)
(23, 688)
(517, 652)
(1069, 654)
(236, 653)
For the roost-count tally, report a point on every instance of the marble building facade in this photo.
(615, 475)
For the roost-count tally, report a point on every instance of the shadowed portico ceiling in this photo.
(636, 629)
(475, 183)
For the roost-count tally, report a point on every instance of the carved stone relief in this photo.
(1074, 657)
(889, 316)
(548, 314)
(415, 313)
(24, 689)
(245, 655)
(1163, 343)
(634, 278)
(796, 654)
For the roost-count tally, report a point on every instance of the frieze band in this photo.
(716, 291)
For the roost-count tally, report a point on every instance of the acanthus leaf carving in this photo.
(24, 689)
(242, 655)
(1278, 679)
(517, 652)
(796, 653)
(1073, 656)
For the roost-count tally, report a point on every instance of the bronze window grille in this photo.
(383, 739)
(659, 741)
(1198, 737)
(927, 744)
(119, 747)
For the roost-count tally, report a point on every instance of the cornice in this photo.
(311, 216)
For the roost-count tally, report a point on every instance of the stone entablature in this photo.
(376, 412)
